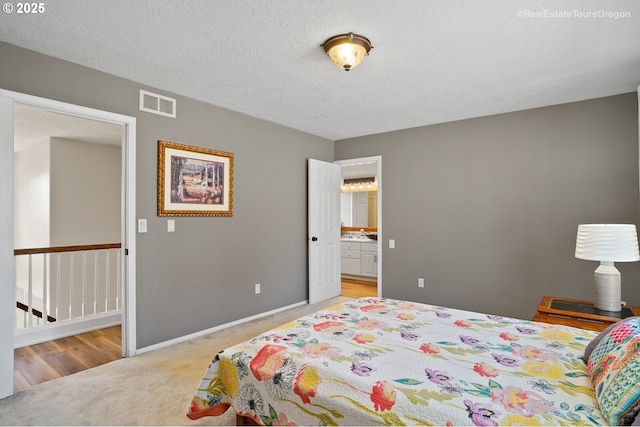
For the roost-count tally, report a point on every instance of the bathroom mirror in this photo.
(359, 209)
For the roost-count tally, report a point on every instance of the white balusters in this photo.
(45, 289)
(30, 294)
(69, 287)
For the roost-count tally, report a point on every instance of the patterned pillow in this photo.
(614, 367)
(594, 342)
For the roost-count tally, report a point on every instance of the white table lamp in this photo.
(607, 243)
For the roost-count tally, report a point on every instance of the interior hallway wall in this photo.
(86, 181)
(32, 169)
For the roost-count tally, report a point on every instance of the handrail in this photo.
(67, 283)
(56, 249)
(34, 311)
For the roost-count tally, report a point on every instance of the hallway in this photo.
(65, 356)
(49, 360)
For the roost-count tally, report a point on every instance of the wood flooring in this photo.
(65, 356)
(358, 288)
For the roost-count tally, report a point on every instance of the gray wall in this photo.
(486, 210)
(202, 275)
(85, 186)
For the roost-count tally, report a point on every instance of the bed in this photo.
(378, 361)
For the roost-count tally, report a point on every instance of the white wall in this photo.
(31, 197)
(31, 215)
(85, 193)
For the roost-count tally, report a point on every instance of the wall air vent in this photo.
(157, 104)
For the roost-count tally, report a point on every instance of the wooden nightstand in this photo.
(580, 314)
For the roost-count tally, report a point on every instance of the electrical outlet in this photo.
(257, 288)
(420, 282)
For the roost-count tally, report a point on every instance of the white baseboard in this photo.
(216, 328)
(66, 328)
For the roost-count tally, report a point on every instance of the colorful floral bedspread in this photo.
(388, 362)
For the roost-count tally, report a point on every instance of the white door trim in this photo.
(7, 287)
(378, 161)
(128, 192)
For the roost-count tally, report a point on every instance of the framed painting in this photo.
(194, 181)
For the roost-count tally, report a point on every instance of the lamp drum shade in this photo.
(607, 242)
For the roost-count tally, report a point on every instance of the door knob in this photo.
(314, 239)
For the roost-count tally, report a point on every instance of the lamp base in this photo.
(608, 289)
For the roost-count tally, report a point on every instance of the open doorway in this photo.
(361, 231)
(126, 233)
(67, 240)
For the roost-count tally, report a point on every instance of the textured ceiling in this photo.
(34, 126)
(433, 61)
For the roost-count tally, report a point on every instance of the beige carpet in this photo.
(153, 388)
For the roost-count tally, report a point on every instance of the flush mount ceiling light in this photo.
(347, 50)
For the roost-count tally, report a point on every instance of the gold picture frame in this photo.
(194, 181)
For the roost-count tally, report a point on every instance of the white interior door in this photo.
(7, 290)
(324, 230)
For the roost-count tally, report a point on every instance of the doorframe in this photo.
(7, 293)
(128, 199)
(378, 161)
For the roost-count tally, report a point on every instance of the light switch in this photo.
(142, 226)
(171, 225)
(392, 243)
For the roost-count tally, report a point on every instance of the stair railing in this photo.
(66, 283)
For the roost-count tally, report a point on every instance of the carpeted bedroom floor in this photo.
(153, 388)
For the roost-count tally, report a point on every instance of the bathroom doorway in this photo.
(361, 217)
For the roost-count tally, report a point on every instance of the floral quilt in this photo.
(378, 361)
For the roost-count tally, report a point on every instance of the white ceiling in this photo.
(359, 170)
(433, 61)
(32, 126)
